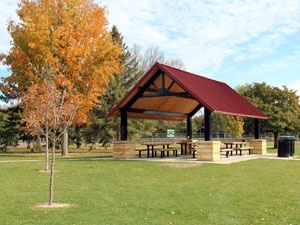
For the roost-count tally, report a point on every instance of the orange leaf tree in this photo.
(65, 44)
(50, 111)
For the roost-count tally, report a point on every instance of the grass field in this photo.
(134, 192)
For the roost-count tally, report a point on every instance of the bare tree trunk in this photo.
(65, 151)
(52, 174)
(47, 146)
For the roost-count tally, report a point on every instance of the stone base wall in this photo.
(208, 150)
(123, 150)
(259, 146)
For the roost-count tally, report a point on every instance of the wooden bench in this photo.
(245, 148)
(164, 150)
(140, 150)
(227, 150)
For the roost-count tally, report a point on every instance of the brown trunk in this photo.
(52, 174)
(47, 147)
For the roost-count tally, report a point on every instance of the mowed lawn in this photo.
(261, 191)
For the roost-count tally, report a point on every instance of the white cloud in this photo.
(204, 33)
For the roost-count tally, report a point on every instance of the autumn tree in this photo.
(235, 126)
(50, 112)
(64, 46)
(66, 42)
(280, 104)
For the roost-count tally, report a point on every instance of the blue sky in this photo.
(234, 41)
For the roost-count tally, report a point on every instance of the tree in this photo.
(10, 126)
(64, 48)
(66, 42)
(152, 55)
(119, 84)
(199, 123)
(218, 123)
(235, 126)
(3, 121)
(280, 104)
(49, 111)
(135, 63)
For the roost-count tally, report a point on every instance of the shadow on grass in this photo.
(84, 158)
(41, 156)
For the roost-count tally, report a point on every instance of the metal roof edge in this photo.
(242, 115)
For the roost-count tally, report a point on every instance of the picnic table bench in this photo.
(164, 150)
(227, 150)
(161, 150)
(152, 147)
(243, 148)
(238, 146)
(187, 146)
(140, 150)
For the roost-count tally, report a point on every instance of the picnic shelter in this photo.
(168, 93)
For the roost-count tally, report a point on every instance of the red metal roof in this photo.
(188, 93)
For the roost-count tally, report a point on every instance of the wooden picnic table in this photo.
(237, 146)
(187, 146)
(152, 145)
(234, 144)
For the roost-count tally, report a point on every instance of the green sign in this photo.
(170, 133)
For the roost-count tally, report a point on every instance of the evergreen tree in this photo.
(10, 126)
(120, 83)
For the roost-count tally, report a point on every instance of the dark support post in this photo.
(123, 125)
(256, 133)
(189, 127)
(207, 125)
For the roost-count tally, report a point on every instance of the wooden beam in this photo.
(162, 90)
(156, 112)
(195, 110)
(171, 85)
(142, 90)
(165, 93)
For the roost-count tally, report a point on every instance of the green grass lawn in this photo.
(134, 192)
